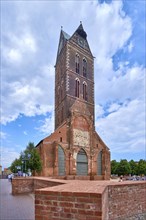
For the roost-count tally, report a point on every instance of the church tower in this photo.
(74, 76)
(74, 150)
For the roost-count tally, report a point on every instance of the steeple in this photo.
(81, 32)
(74, 78)
(74, 148)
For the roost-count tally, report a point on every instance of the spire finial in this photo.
(61, 27)
(80, 22)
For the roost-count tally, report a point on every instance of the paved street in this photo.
(20, 207)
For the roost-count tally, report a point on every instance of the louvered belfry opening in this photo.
(82, 163)
(61, 161)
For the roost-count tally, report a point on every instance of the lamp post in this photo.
(24, 159)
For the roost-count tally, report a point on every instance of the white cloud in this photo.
(114, 107)
(8, 155)
(124, 130)
(47, 126)
(127, 83)
(112, 29)
(14, 55)
(29, 48)
(31, 89)
(3, 135)
(130, 47)
(19, 48)
(99, 111)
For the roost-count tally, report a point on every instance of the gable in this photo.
(80, 38)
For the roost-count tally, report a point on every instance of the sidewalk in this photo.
(20, 207)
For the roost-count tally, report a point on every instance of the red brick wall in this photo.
(29, 185)
(81, 200)
(127, 200)
(22, 185)
(102, 200)
(64, 205)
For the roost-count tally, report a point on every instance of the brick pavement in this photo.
(20, 207)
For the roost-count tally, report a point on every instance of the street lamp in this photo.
(24, 159)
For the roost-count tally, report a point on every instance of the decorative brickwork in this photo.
(74, 150)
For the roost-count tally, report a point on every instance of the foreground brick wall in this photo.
(64, 205)
(81, 200)
(30, 184)
(22, 185)
(127, 201)
(94, 200)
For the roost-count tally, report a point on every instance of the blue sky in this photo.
(29, 40)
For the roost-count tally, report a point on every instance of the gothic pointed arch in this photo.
(61, 161)
(77, 63)
(77, 87)
(84, 67)
(99, 163)
(85, 90)
(82, 163)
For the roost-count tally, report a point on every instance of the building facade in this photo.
(74, 150)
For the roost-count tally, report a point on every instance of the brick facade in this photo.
(81, 200)
(74, 150)
(94, 200)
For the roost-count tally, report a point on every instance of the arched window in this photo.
(61, 161)
(82, 163)
(99, 163)
(84, 67)
(85, 91)
(77, 61)
(77, 88)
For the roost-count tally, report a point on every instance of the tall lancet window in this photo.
(85, 91)
(84, 67)
(77, 61)
(77, 88)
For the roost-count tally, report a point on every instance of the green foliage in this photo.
(35, 162)
(141, 168)
(16, 163)
(29, 160)
(124, 167)
(133, 165)
(114, 165)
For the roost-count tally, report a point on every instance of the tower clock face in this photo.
(81, 42)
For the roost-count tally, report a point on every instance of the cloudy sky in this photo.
(29, 39)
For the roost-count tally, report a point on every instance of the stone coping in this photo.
(81, 186)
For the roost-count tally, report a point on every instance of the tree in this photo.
(34, 162)
(15, 164)
(133, 166)
(29, 159)
(123, 168)
(114, 165)
(141, 167)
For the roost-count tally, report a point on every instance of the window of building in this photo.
(77, 61)
(84, 67)
(77, 88)
(85, 91)
(99, 163)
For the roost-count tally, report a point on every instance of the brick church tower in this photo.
(74, 150)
